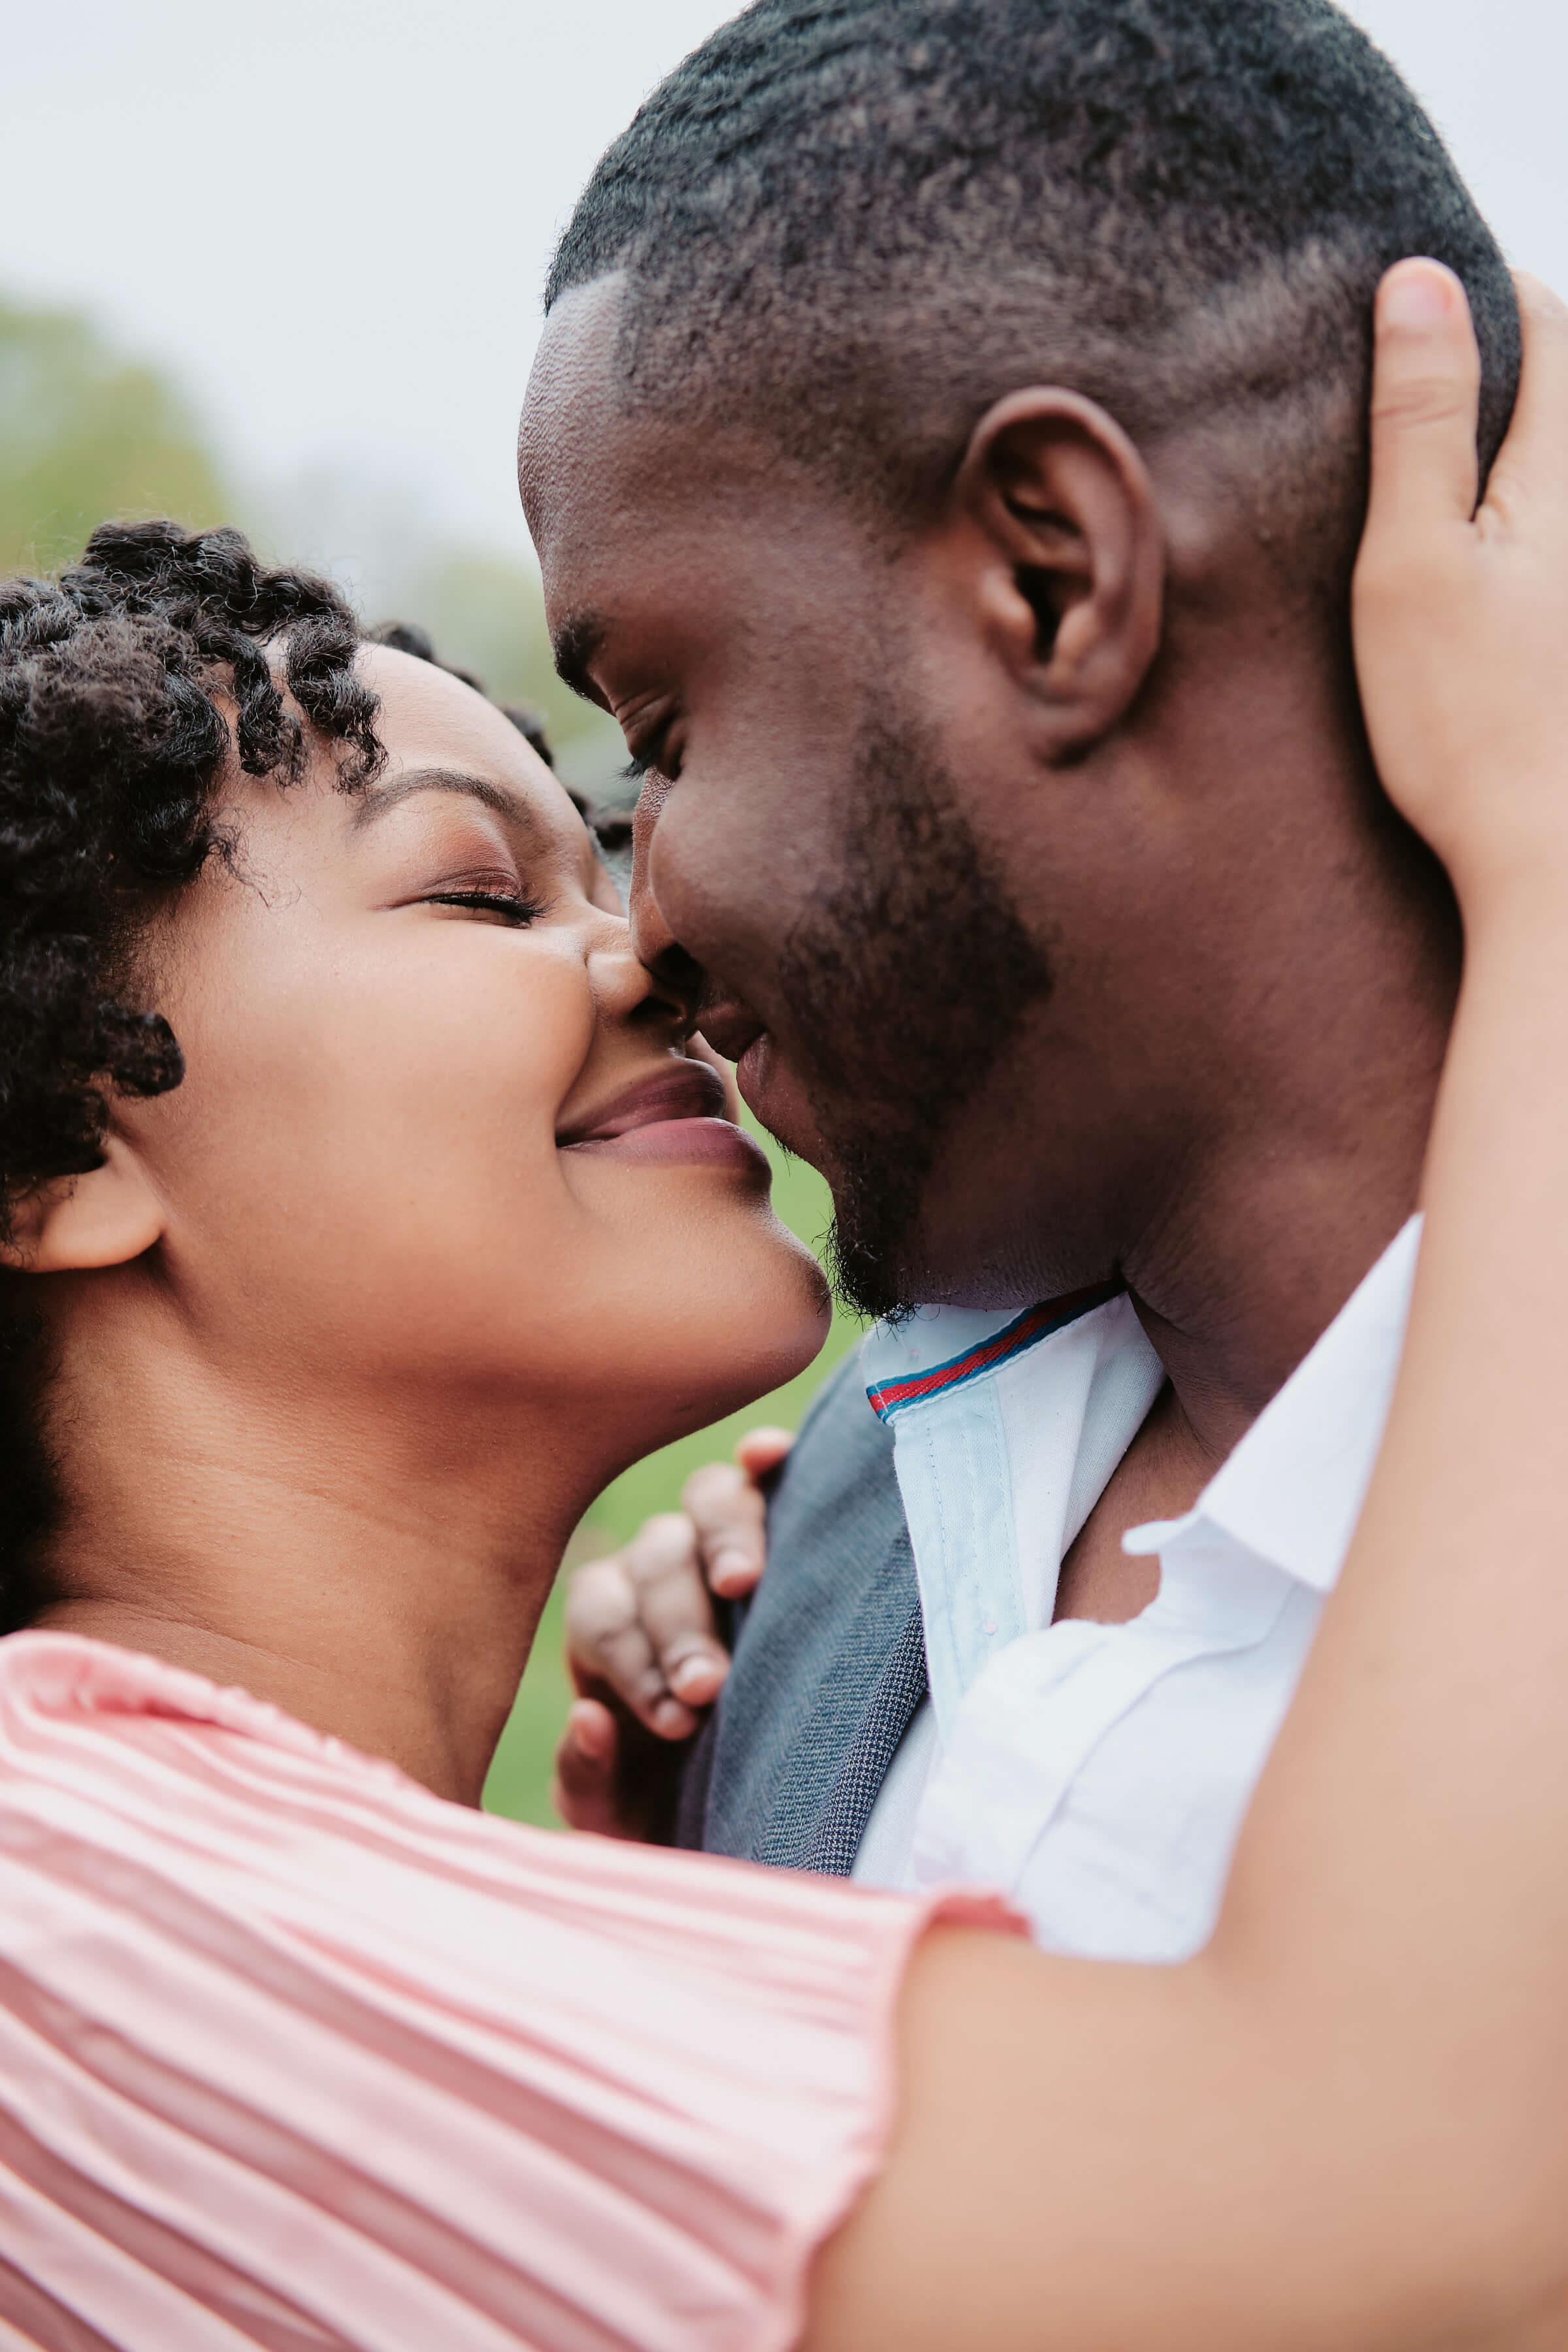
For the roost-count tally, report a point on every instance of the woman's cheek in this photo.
(489, 1012)
(555, 1021)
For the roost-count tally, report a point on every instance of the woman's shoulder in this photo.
(137, 1734)
(263, 1940)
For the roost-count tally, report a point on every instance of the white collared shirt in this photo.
(1099, 1774)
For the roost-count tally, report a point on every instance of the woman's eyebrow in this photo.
(379, 798)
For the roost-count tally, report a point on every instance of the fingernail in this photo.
(729, 1568)
(1420, 298)
(671, 1718)
(691, 1675)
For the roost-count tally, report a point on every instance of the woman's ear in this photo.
(107, 1217)
(1073, 558)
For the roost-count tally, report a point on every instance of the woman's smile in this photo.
(679, 1113)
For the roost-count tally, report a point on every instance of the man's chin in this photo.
(876, 1209)
(874, 1184)
(882, 1267)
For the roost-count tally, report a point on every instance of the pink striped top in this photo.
(294, 2053)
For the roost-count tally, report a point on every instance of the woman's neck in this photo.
(374, 1567)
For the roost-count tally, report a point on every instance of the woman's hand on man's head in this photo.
(643, 1647)
(1461, 611)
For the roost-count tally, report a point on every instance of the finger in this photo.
(1534, 457)
(607, 1642)
(600, 1603)
(674, 1610)
(727, 1509)
(1425, 392)
(632, 1669)
(762, 1449)
(583, 1789)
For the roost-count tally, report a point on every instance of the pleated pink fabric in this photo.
(295, 2054)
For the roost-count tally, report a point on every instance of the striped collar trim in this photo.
(1025, 1331)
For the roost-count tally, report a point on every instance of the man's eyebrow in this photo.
(574, 645)
(379, 798)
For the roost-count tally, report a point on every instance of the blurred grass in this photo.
(519, 1782)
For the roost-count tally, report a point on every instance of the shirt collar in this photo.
(1005, 1432)
(935, 1350)
(1291, 1491)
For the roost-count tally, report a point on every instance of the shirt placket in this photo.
(1028, 1729)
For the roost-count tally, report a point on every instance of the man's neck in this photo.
(1301, 976)
(1298, 1194)
(1274, 1235)
(1231, 1329)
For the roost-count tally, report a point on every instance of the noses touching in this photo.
(632, 989)
(724, 1019)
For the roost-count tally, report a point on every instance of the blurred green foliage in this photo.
(86, 434)
(519, 1782)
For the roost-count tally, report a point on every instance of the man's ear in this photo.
(107, 1217)
(1073, 558)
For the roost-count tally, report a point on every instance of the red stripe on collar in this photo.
(1025, 1330)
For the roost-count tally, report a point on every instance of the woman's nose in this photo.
(627, 990)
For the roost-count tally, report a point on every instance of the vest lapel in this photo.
(835, 1840)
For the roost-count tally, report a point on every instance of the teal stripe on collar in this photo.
(1025, 1330)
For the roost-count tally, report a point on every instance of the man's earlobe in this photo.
(107, 1217)
(1072, 557)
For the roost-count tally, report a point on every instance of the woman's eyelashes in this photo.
(505, 902)
(654, 756)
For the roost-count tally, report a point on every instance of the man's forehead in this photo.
(620, 497)
(570, 409)
(574, 367)
(592, 457)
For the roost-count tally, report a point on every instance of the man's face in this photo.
(809, 834)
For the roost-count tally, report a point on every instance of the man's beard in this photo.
(907, 980)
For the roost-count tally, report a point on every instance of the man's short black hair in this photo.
(856, 223)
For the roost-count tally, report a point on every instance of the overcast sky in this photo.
(333, 217)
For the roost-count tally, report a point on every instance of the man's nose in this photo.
(655, 944)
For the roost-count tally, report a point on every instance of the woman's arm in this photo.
(1345, 2124)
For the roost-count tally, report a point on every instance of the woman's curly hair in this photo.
(128, 688)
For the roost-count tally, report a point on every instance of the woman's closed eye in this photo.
(506, 905)
(447, 853)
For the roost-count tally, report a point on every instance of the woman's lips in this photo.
(678, 1114)
(712, 1140)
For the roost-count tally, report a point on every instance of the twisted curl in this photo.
(127, 687)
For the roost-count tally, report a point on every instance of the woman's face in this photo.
(438, 1129)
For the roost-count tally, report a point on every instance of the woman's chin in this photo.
(723, 1344)
(690, 1306)
(769, 1336)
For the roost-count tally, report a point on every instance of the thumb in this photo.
(1425, 389)
(584, 1792)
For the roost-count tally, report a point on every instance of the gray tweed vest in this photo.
(829, 1658)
